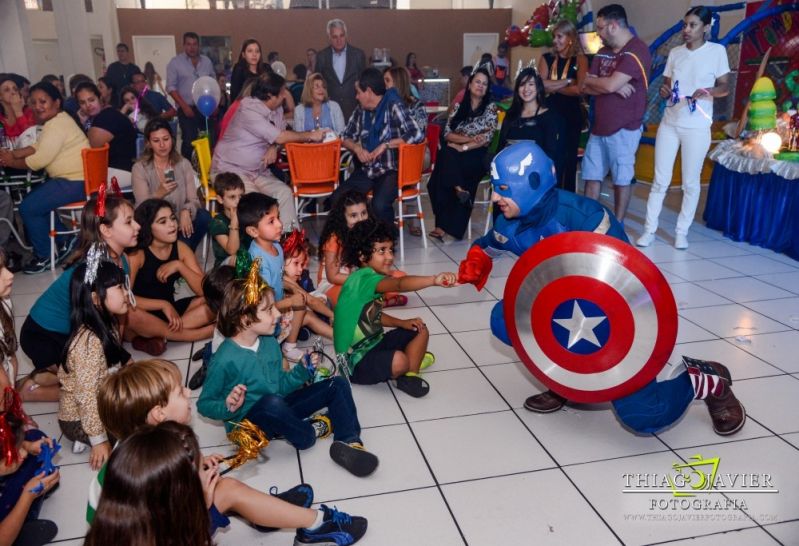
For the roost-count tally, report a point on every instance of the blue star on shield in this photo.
(580, 326)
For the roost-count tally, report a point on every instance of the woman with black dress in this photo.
(249, 65)
(528, 118)
(564, 71)
(460, 164)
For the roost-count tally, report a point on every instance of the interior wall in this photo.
(436, 36)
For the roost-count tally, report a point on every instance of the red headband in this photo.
(293, 241)
(8, 441)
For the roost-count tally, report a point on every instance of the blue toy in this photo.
(45, 457)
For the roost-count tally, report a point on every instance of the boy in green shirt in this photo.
(226, 238)
(375, 356)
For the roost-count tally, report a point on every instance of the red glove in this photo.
(475, 268)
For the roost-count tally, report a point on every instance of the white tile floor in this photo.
(468, 465)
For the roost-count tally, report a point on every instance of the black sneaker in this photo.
(36, 265)
(37, 532)
(299, 495)
(65, 250)
(322, 426)
(337, 529)
(353, 457)
(198, 378)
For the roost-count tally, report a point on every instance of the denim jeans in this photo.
(383, 188)
(657, 405)
(285, 416)
(35, 210)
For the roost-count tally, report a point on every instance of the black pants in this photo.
(190, 129)
(383, 188)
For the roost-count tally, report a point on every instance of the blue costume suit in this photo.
(525, 174)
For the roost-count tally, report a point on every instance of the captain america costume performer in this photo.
(532, 209)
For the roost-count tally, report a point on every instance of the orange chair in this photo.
(409, 178)
(95, 174)
(433, 135)
(314, 170)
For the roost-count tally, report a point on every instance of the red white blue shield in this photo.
(590, 316)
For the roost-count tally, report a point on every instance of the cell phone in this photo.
(169, 175)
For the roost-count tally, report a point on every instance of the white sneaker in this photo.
(79, 447)
(645, 239)
(680, 242)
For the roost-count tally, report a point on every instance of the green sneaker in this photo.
(427, 360)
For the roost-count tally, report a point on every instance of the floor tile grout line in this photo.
(429, 467)
(717, 533)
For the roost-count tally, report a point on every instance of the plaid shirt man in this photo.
(398, 123)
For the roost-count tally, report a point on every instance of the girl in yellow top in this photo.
(57, 152)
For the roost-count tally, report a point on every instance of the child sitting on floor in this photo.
(295, 254)
(259, 217)
(246, 380)
(150, 392)
(349, 209)
(374, 355)
(224, 228)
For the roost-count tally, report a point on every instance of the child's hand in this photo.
(447, 280)
(47, 482)
(213, 457)
(175, 322)
(34, 448)
(298, 301)
(415, 324)
(99, 455)
(169, 268)
(209, 476)
(236, 398)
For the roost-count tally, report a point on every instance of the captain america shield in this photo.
(590, 316)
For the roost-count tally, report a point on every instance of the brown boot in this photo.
(726, 412)
(153, 346)
(546, 402)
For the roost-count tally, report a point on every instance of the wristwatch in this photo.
(465, 147)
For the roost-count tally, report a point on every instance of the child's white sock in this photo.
(320, 519)
(79, 447)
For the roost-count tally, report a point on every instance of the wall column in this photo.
(74, 38)
(17, 46)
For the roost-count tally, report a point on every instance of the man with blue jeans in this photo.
(377, 127)
(618, 78)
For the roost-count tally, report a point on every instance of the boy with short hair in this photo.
(259, 218)
(224, 229)
(373, 355)
(151, 392)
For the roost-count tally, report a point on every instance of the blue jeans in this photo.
(35, 210)
(383, 188)
(200, 223)
(654, 407)
(286, 416)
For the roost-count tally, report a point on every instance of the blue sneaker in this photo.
(337, 529)
(299, 495)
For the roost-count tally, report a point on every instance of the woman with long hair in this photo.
(460, 164)
(162, 173)
(316, 110)
(529, 118)
(15, 116)
(153, 78)
(249, 65)
(137, 108)
(413, 70)
(399, 78)
(564, 70)
(702, 69)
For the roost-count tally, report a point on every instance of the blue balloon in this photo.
(206, 105)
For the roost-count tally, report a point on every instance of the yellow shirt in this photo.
(58, 149)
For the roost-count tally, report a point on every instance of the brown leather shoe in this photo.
(546, 402)
(726, 412)
(153, 346)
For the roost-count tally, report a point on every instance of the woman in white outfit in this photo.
(701, 72)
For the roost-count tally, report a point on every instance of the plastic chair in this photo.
(202, 147)
(409, 178)
(433, 135)
(95, 174)
(314, 170)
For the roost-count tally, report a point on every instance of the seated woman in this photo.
(251, 140)
(104, 124)
(137, 109)
(108, 93)
(461, 163)
(399, 78)
(15, 116)
(316, 110)
(57, 152)
(528, 118)
(160, 261)
(162, 173)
